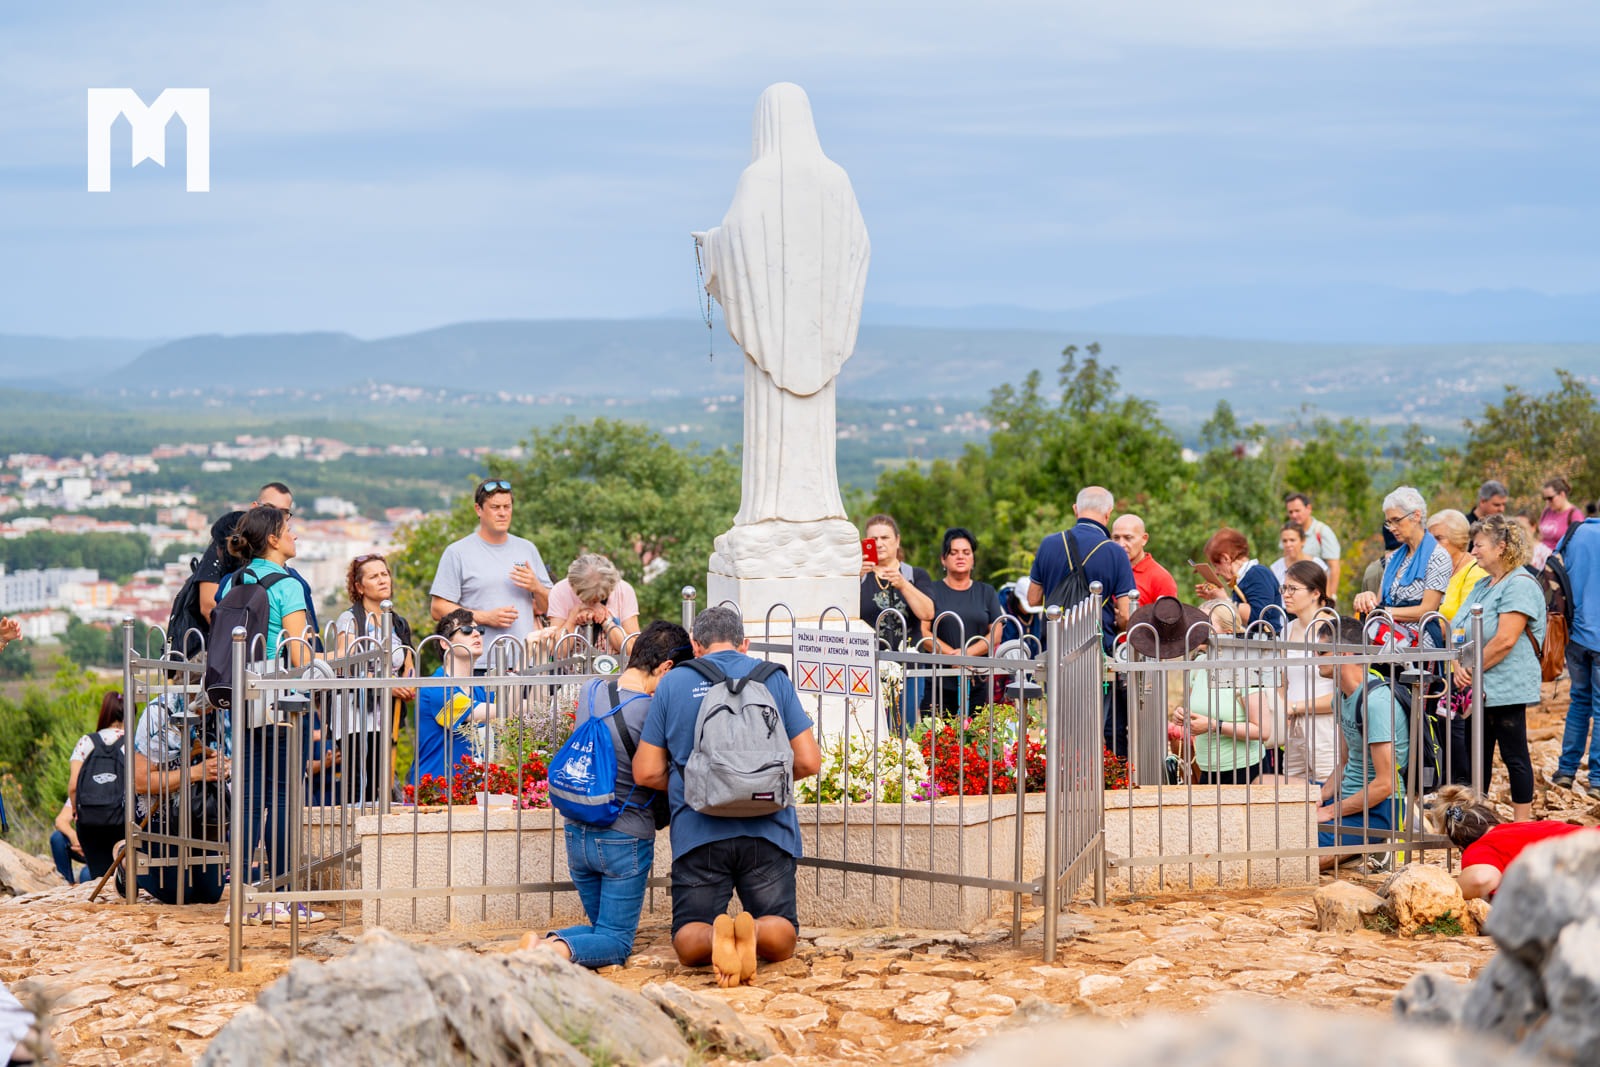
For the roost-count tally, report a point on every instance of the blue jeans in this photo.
(610, 869)
(203, 882)
(61, 852)
(1378, 817)
(267, 785)
(1583, 714)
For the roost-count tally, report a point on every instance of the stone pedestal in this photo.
(807, 567)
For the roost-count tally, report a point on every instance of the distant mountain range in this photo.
(910, 353)
(1324, 314)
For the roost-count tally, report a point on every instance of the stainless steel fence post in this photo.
(1055, 723)
(688, 608)
(1474, 754)
(238, 855)
(386, 724)
(130, 823)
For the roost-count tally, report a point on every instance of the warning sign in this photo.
(835, 662)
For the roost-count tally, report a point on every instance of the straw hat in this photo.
(1168, 629)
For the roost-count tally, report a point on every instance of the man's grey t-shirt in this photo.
(477, 575)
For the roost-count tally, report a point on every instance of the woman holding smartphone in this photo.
(889, 584)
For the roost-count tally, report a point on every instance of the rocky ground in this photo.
(149, 984)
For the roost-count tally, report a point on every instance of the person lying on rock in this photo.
(714, 855)
(611, 863)
(1488, 846)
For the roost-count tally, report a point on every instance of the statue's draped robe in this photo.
(789, 267)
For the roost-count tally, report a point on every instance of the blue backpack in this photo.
(583, 772)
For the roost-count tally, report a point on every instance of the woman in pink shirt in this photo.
(1559, 514)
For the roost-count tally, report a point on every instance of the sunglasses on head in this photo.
(368, 558)
(499, 485)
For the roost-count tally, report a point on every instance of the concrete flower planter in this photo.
(445, 854)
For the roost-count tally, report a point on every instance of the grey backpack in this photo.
(742, 764)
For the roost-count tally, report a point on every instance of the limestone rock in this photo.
(1432, 998)
(389, 1002)
(1552, 884)
(1342, 906)
(1506, 1000)
(707, 1024)
(1478, 909)
(1419, 894)
(924, 1009)
(1242, 1033)
(1571, 1034)
(22, 873)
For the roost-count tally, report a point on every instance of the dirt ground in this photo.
(149, 984)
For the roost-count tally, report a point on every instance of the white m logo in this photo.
(150, 132)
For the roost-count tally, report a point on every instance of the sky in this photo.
(379, 168)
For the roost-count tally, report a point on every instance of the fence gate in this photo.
(1074, 839)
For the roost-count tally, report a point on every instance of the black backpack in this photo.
(1430, 774)
(187, 629)
(101, 801)
(1555, 583)
(1073, 588)
(245, 605)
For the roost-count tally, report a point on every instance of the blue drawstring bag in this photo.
(583, 772)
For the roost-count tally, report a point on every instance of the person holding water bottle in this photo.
(493, 574)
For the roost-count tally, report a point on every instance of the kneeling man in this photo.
(714, 856)
(1364, 790)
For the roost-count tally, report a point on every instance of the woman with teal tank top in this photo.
(264, 541)
(1220, 720)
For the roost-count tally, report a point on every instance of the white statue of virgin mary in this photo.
(789, 266)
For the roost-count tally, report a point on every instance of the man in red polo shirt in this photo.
(1149, 577)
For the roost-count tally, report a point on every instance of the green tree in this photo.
(16, 661)
(37, 734)
(1525, 439)
(116, 556)
(1021, 485)
(97, 645)
(604, 486)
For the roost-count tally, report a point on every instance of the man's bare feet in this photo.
(725, 952)
(744, 936)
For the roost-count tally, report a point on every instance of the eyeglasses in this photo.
(467, 630)
(1287, 588)
(1550, 499)
(1395, 524)
(368, 558)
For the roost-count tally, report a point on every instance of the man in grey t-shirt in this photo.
(492, 573)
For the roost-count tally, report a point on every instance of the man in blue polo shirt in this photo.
(712, 856)
(1581, 554)
(1105, 562)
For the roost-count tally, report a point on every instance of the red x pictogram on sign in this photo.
(833, 679)
(808, 676)
(861, 681)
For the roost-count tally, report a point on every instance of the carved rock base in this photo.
(808, 567)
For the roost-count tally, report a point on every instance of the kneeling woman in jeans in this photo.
(610, 865)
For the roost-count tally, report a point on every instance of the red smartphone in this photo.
(869, 550)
